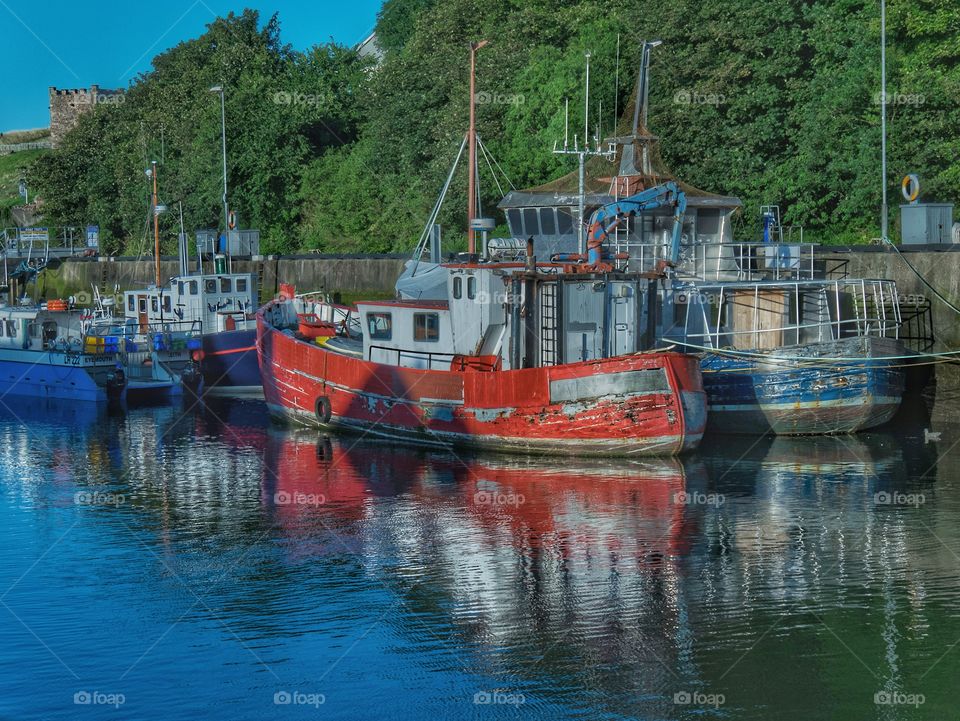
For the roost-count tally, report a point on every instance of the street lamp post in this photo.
(223, 137)
(883, 116)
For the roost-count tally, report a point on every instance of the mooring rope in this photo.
(920, 276)
(914, 359)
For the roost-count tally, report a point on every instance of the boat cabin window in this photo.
(241, 285)
(513, 220)
(548, 221)
(708, 221)
(531, 225)
(457, 288)
(143, 304)
(166, 303)
(49, 330)
(564, 222)
(471, 287)
(11, 328)
(380, 326)
(426, 327)
(154, 306)
(210, 285)
(180, 288)
(194, 287)
(130, 303)
(224, 285)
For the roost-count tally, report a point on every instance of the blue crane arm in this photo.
(608, 216)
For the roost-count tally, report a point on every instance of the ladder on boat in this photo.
(549, 355)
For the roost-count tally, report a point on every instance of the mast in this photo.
(472, 141)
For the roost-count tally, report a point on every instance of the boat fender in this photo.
(322, 409)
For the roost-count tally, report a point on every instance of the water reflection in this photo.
(754, 579)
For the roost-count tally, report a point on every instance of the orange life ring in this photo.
(910, 187)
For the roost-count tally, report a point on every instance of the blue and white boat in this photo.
(52, 352)
(795, 357)
(219, 310)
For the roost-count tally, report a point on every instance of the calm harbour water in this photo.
(208, 564)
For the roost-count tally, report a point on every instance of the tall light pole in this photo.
(223, 138)
(883, 114)
(472, 142)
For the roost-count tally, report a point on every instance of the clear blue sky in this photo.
(74, 43)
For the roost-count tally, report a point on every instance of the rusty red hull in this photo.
(650, 404)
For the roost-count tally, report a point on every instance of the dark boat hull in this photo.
(230, 362)
(800, 390)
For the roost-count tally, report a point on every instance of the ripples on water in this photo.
(202, 563)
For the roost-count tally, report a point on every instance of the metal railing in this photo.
(428, 356)
(734, 261)
(773, 314)
(42, 242)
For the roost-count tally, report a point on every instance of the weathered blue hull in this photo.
(800, 390)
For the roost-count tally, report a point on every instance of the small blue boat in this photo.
(793, 391)
(217, 309)
(795, 357)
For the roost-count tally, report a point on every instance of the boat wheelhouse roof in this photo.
(635, 164)
(426, 304)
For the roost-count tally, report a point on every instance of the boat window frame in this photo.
(131, 303)
(426, 317)
(548, 221)
(386, 334)
(194, 287)
(471, 287)
(45, 328)
(241, 285)
(11, 326)
(226, 285)
(531, 221)
(154, 304)
(457, 287)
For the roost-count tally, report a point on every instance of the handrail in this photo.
(871, 309)
(428, 355)
(734, 260)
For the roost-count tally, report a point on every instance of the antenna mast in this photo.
(582, 155)
(472, 142)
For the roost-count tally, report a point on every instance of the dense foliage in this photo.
(774, 102)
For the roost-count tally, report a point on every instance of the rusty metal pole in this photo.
(156, 224)
(472, 139)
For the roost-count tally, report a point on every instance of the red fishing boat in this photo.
(517, 359)
(494, 351)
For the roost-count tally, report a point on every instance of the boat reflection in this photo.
(661, 572)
